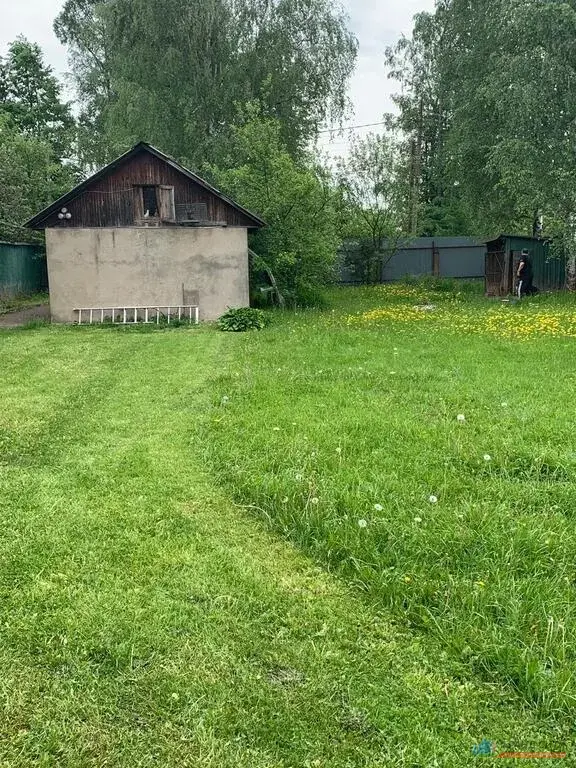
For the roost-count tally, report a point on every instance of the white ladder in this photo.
(132, 315)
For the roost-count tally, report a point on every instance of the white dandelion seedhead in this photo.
(314, 501)
(417, 519)
(362, 523)
(299, 477)
(461, 418)
(338, 450)
(378, 507)
(433, 499)
(276, 429)
(487, 457)
(504, 405)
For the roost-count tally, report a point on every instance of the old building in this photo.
(503, 257)
(145, 233)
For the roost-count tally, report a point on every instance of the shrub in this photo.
(306, 297)
(242, 319)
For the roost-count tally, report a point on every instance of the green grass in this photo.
(13, 303)
(326, 420)
(152, 614)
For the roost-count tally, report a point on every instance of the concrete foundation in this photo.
(147, 266)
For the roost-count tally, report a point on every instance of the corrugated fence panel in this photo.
(458, 257)
(550, 273)
(22, 269)
(412, 262)
(463, 261)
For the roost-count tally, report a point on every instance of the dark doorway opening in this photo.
(150, 201)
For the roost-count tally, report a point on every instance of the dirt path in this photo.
(24, 316)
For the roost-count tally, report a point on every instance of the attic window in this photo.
(150, 201)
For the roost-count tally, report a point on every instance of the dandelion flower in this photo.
(314, 501)
(378, 507)
(433, 499)
(487, 457)
(363, 523)
(407, 579)
(461, 418)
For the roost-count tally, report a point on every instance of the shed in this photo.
(145, 233)
(503, 256)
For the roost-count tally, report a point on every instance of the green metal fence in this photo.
(550, 272)
(22, 269)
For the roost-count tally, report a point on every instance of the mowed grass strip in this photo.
(146, 621)
(346, 439)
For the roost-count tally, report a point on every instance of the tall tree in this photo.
(488, 110)
(296, 199)
(373, 194)
(31, 95)
(173, 72)
(31, 177)
(424, 116)
(532, 91)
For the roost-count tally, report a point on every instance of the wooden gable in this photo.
(144, 186)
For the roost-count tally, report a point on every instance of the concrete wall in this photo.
(147, 266)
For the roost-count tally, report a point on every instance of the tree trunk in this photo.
(571, 254)
(417, 172)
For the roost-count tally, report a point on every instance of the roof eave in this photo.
(37, 221)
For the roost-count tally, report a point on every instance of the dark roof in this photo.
(513, 237)
(36, 221)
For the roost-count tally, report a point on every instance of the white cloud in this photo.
(376, 23)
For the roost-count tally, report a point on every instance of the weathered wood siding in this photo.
(114, 201)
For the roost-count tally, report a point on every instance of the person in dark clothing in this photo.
(525, 276)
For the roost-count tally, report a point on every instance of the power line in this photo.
(351, 127)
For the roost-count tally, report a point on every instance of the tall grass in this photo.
(346, 439)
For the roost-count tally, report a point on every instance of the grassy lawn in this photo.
(155, 610)
(342, 430)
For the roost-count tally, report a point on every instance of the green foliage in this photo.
(295, 198)
(36, 133)
(371, 189)
(242, 319)
(172, 73)
(31, 177)
(30, 95)
(489, 117)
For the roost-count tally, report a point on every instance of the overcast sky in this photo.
(376, 23)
